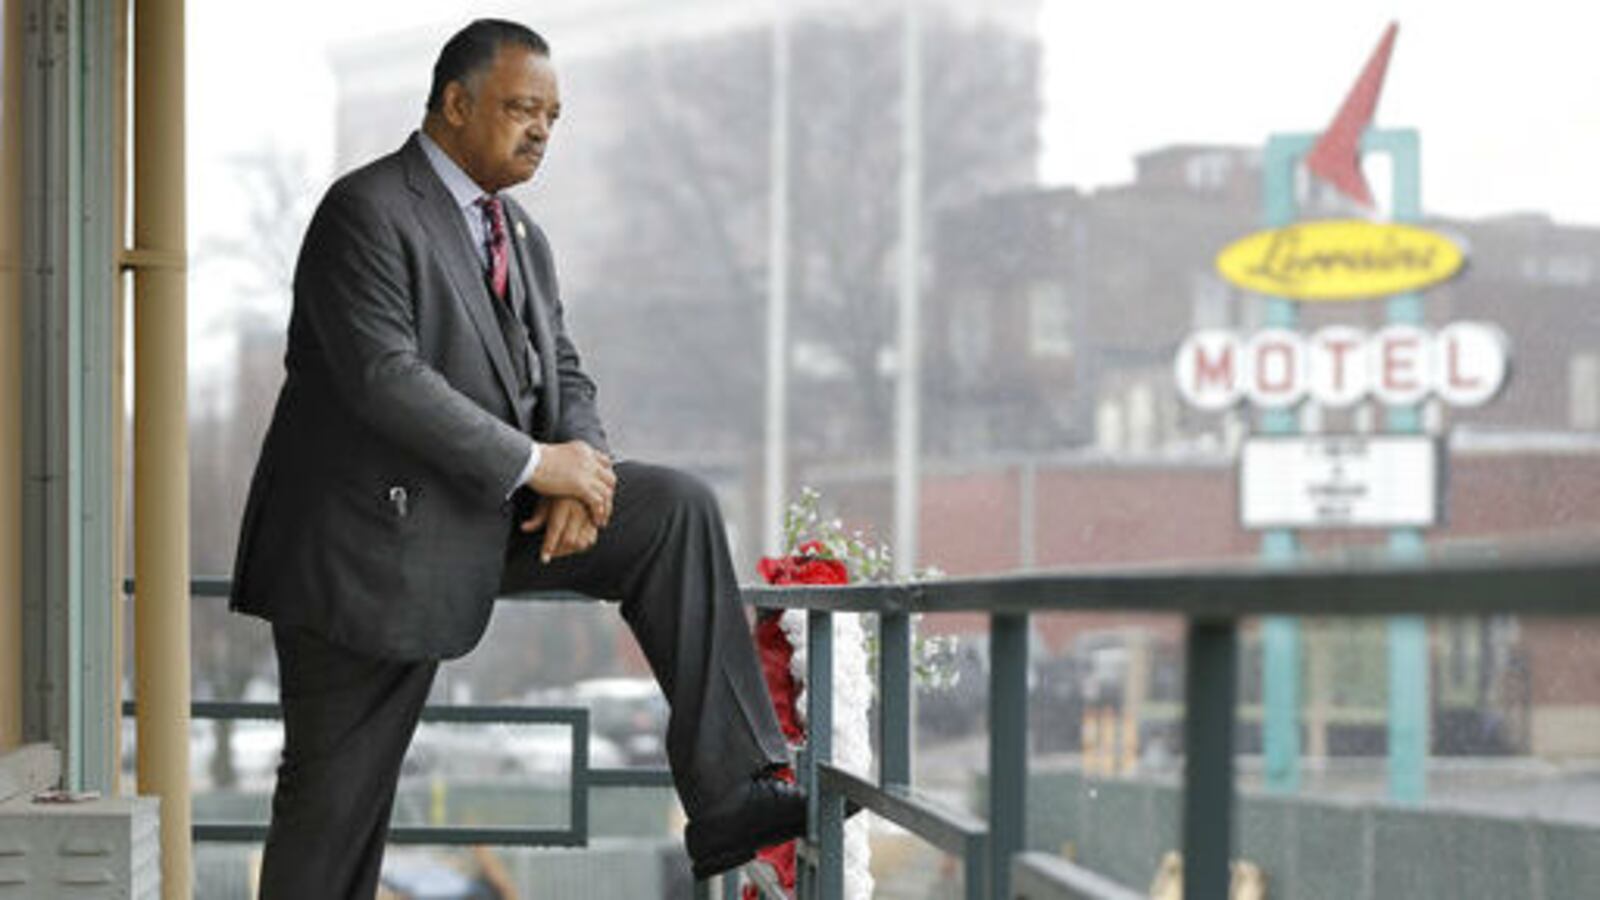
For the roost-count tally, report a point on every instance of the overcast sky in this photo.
(1506, 95)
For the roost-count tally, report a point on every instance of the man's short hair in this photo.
(473, 48)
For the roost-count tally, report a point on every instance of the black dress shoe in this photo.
(767, 811)
(764, 812)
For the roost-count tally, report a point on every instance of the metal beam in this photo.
(946, 828)
(49, 383)
(1040, 876)
(99, 412)
(1557, 585)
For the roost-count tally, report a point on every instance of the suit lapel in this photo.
(448, 233)
(539, 311)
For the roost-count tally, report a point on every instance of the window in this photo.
(1583, 391)
(1049, 321)
(1208, 171)
(970, 332)
(1565, 270)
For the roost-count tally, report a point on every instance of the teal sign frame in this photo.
(1408, 635)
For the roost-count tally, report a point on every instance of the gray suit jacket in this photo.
(378, 515)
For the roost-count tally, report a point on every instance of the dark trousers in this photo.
(348, 718)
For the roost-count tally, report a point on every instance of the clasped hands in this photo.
(576, 486)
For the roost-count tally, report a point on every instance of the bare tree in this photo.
(686, 280)
(228, 422)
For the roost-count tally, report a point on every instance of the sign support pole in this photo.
(1280, 635)
(1408, 635)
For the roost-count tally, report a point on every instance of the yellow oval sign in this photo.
(1340, 260)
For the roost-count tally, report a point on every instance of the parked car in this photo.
(628, 712)
(490, 751)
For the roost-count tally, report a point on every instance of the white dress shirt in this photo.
(466, 193)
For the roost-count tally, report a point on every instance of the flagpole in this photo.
(775, 473)
(907, 406)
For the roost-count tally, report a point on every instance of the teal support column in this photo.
(1280, 635)
(1281, 648)
(1280, 689)
(1408, 689)
(1408, 635)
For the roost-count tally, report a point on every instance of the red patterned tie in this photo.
(499, 263)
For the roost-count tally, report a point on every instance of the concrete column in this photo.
(160, 440)
(11, 379)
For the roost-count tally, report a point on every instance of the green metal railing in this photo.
(991, 849)
(584, 779)
(1213, 600)
(576, 718)
(1041, 876)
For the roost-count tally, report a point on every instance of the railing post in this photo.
(1208, 768)
(894, 699)
(973, 862)
(578, 800)
(826, 815)
(1008, 747)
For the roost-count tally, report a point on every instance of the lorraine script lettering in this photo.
(1287, 263)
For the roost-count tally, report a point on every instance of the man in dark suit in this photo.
(436, 443)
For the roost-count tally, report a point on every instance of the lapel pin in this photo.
(522, 231)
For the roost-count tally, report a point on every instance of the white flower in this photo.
(852, 742)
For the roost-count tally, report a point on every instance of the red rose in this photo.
(809, 566)
(776, 655)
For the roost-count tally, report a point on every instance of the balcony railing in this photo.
(576, 718)
(1212, 600)
(992, 849)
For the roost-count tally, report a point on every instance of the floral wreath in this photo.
(820, 552)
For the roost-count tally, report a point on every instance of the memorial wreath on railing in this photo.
(818, 551)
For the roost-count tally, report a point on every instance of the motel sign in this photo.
(1463, 364)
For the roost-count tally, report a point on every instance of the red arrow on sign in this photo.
(1336, 157)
